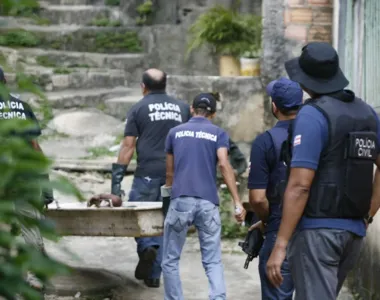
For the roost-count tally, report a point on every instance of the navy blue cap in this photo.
(206, 101)
(2, 76)
(285, 93)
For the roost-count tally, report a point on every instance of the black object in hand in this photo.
(252, 245)
(118, 172)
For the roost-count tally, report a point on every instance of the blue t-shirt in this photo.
(194, 146)
(310, 134)
(262, 161)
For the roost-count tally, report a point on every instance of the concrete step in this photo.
(126, 39)
(81, 14)
(118, 107)
(75, 78)
(82, 98)
(132, 63)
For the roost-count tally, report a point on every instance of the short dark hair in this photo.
(202, 112)
(289, 111)
(153, 84)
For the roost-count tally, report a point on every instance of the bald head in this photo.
(154, 80)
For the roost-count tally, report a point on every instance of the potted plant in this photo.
(222, 29)
(251, 50)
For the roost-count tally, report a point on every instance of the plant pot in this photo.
(249, 66)
(229, 66)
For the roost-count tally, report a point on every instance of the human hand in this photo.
(259, 225)
(240, 213)
(274, 263)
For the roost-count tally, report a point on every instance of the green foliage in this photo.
(20, 186)
(19, 38)
(46, 61)
(42, 21)
(19, 8)
(144, 11)
(229, 32)
(117, 41)
(105, 22)
(230, 229)
(113, 2)
(62, 71)
(29, 83)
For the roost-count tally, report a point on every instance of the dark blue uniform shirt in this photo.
(194, 146)
(262, 163)
(150, 121)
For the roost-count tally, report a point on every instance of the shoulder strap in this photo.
(277, 141)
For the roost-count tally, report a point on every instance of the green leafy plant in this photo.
(230, 229)
(19, 8)
(105, 22)
(227, 31)
(46, 61)
(144, 11)
(117, 41)
(62, 71)
(18, 38)
(20, 186)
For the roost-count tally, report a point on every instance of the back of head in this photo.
(204, 104)
(286, 95)
(154, 80)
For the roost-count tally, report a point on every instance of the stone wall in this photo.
(166, 40)
(241, 109)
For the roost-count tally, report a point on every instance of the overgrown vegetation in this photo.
(227, 31)
(19, 38)
(46, 61)
(230, 229)
(112, 42)
(105, 22)
(19, 8)
(20, 185)
(145, 11)
(113, 2)
(62, 70)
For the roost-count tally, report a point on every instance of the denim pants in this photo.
(268, 291)
(146, 189)
(184, 212)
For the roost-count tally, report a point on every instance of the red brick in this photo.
(301, 15)
(320, 34)
(296, 32)
(294, 2)
(320, 2)
(323, 15)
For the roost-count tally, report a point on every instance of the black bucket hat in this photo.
(317, 69)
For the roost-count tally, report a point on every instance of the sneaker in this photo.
(152, 283)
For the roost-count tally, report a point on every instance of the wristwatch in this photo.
(368, 219)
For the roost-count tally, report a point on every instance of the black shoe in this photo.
(152, 283)
(145, 265)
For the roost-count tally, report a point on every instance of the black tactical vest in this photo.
(342, 186)
(277, 178)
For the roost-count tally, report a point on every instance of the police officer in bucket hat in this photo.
(330, 196)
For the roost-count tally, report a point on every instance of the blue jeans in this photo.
(268, 291)
(145, 189)
(184, 212)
